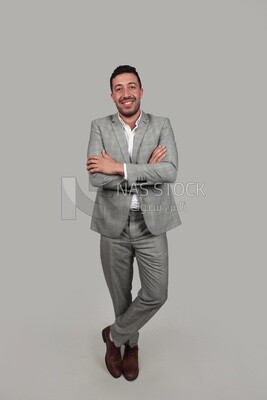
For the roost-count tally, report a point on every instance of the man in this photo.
(132, 159)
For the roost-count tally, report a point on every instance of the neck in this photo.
(131, 121)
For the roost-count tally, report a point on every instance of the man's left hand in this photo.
(104, 164)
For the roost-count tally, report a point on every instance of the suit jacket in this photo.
(151, 182)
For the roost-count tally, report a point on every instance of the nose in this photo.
(126, 92)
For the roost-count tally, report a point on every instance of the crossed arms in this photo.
(161, 166)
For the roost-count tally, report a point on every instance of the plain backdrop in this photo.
(203, 65)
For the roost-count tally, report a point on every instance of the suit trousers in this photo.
(117, 257)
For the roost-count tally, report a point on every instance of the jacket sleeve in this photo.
(95, 146)
(163, 172)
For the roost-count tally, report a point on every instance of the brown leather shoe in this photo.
(130, 367)
(113, 355)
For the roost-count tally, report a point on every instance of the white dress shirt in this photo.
(129, 133)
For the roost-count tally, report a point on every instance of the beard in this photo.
(135, 107)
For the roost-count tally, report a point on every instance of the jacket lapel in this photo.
(139, 135)
(121, 138)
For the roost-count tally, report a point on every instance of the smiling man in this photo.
(126, 93)
(131, 155)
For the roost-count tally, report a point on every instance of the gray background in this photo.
(203, 65)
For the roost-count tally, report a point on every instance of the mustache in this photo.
(127, 99)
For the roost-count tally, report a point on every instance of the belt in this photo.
(135, 209)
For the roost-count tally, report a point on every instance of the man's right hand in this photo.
(157, 155)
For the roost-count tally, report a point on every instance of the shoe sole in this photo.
(131, 379)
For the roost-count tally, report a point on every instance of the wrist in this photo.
(119, 169)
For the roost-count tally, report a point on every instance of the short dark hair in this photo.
(122, 69)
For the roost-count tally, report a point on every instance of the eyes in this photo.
(119, 89)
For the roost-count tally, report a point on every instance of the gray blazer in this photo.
(151, 182)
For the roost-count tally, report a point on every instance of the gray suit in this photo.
(157, 202)
(124, 234)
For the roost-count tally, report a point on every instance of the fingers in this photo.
(158, 154)
(159, 158)
(159, 151)
(104, 155)
(93, 168)
(98, 163)
(160, 148)
(92, 163)
(92, 159)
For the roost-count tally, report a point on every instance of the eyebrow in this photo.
(129, 83)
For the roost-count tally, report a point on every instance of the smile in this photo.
(127, 102)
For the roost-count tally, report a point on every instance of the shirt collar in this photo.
(136, 123)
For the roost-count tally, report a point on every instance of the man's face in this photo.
(126, 94)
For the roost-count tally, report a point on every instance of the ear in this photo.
(142, 91)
